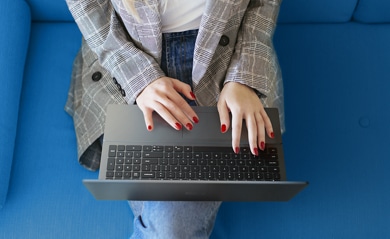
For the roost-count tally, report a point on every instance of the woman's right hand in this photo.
(163, 96)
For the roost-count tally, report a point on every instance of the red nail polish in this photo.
(262, 146)
(256, 150)
(178, 126)
(272, 135)
(195, 119)
(189, 126)
(150, 127)
(236, 150)
(223, 128)
(192, 95)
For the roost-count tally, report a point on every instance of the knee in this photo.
(177, 219)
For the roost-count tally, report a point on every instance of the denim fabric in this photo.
(177, 56)
(175, 220)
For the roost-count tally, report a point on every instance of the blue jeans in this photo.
(175, 220)
(177, 56)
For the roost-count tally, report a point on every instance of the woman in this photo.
(166, 55)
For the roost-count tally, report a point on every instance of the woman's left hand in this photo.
(244, 104)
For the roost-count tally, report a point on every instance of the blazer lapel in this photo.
(211, 29)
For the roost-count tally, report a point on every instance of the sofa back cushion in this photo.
(309, 11)
(15, 16)
(292, 11)
(49, 10)
(373, 11)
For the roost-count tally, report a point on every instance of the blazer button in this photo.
(97, 76)
(224, 41)
(123, 92)
(115, 81)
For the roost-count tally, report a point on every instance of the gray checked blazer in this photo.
(120, 56)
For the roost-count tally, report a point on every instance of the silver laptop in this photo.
(198, 165)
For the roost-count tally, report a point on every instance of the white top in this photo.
(181, 15)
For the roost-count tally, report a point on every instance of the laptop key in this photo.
(220, 176)
(258, 176)
(110, 164)
(230, 176)
(210, 176)
(147, 148)
(148, 175)
(112, 151)
(180, 175)
(133, 148)
(109, 174)
(150, 161)
(147, 155)
(178, 148)
(168, 148)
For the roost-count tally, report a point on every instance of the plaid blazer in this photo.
(120, 56)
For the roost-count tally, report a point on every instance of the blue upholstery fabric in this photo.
(49, 10)
(373, 11)
(337, 119)
(12, 61)
(303, 11)
(336, 137)
(46, 197)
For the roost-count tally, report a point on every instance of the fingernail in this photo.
(195, 119)
(223, 128)
(256, 150)
(236, 150)
(262, 146)
(178, 126)
(272, 135)
(189, 126)
(150, 127)
(192, 95)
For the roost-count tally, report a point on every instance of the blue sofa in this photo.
(335, 59)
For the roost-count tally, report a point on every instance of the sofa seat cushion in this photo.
(15, 28)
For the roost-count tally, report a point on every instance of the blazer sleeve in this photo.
(107, 37)
(254, 62)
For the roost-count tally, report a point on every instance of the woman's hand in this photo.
(163, 96)
(244, 104)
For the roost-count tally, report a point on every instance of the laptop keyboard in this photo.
(151, 162)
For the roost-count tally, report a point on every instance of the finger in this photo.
(260, 131)
(184, 89)
(236, 131)
(224, 117)
(168, 116)
(173, 111)
(252, 126)
(148, 118)
(267, 124)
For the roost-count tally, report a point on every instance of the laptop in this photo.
(198, 165)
